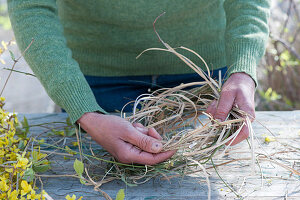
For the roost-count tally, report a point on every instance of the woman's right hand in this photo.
(128, 143)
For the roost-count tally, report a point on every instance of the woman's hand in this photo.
(238, 91)
(128, 143)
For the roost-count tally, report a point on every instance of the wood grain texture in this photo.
(278, 183)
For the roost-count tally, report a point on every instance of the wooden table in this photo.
(277, 182)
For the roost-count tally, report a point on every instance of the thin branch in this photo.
(25, 73)
(287, 19)
(286, 45)
(15, 62)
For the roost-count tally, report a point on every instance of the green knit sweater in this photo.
(73, 38)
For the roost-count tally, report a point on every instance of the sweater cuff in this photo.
(243, 57)
(76, 98)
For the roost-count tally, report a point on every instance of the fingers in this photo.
(152, 159)
(153, 133)
(150, 132)
(238, 90)
(211, 109)
(143, 141)
(134, 155)
(224, 105)
(249, 110)
(139, 125)
(245, 102)
(246, 105)
(244, 134)
(140, 128)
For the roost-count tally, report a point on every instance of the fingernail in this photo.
(156, 147)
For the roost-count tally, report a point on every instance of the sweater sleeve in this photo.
(246, 34)
(49, 57)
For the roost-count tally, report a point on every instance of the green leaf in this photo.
(34, 155)
(28, 175)
(120, 195)
(12, 55)
(41, 162)
(41, 168)
(79, 167)
(21, 144)
(41, 165)
(25, 125)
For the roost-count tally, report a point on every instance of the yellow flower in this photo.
(2, 153)
(17, 160)
(26, 188)
(9, 170)
(22, 163)
(13, 195)
(16, 119)
(3, 196)
(69, 150)
(71, 198)
(75, 144)
(3, 186)
(269, 139)
(4, 44)
(44, 193)
(33, 196)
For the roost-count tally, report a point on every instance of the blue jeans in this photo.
(112, 93)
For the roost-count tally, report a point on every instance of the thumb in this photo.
(144, 142)
(211, 109)
(224, 106)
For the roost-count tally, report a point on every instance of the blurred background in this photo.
(23, 93)
(278, 73)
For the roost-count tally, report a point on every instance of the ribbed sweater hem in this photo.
(76, 98)
(242, 57)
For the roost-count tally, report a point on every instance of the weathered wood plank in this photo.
(277, 183)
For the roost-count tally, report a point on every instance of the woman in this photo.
(79, 45)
